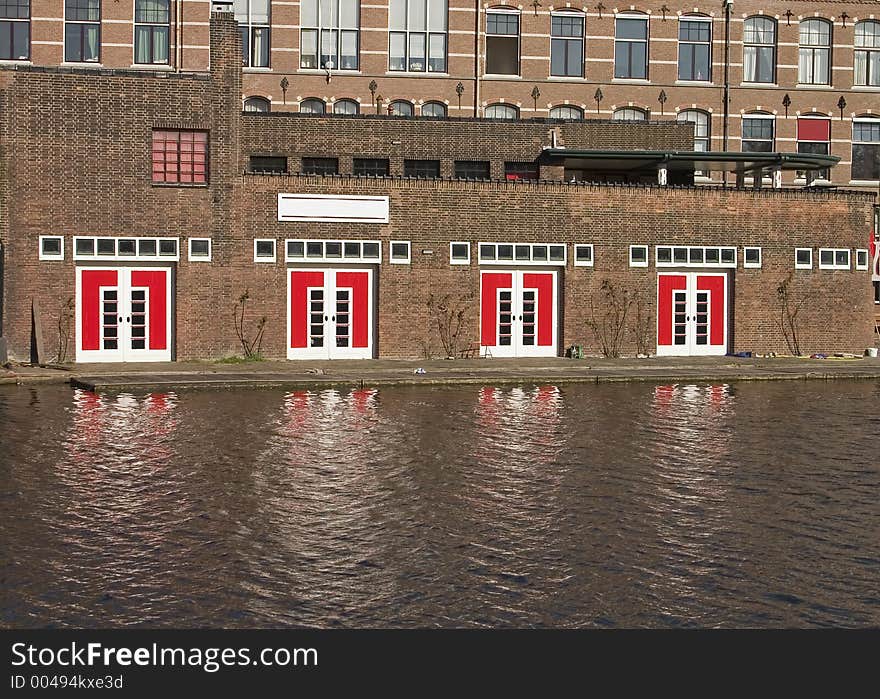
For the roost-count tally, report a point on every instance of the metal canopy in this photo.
(688, 161)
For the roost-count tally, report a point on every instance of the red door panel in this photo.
(544, 284)
(489, 304)
(92, 281)
(299, 305)
(359, 283)
(666, 284)
(156, 282)
(715, 286)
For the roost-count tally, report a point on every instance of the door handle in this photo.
(129, 319)
(120, 319)
(333, 318)
(325, 317)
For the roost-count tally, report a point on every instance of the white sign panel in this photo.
(332, 208)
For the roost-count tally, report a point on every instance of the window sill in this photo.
(495, 76)
(313, 71)
(695, 83)
(865, 183)
(631, 81)
(568, 78)
(748, 84)
(152, 66)
(257, 69)
(176, 185)
(812, 86)
(81, 64)
(415, 74)
(865, 88)
(16, 62)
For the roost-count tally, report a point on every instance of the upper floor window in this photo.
(567, 45)
(814, 54)
(866, 148)
(566, 112)
(401, 108)
(434, 109)
(630, 114)
(15, 30)
(867, 54)
(373, 167)
(814, 137)
(253, 23)
(330, 34)
(312, 105)
(502, 42)
(417, 35)
(502, 111)
(346, 107)
(700, 120)
(757, 133)
(82, 31)
(257, 104)
(759, 50)
(180, 157)
(695, 48)
(151, 30)
(631, 47)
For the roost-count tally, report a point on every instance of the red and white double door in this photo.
(518, 313)
(330, 314)
(123, 314)
(691, 313)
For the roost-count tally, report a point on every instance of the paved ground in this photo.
(176, 375)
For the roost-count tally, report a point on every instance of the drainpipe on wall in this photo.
(728, 6)
(476, 58)
(178, 34)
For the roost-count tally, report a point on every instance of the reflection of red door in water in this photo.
(123, 314)
(518, 313)
(330, 313)
(691, 313)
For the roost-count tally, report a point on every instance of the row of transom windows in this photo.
(330, 40)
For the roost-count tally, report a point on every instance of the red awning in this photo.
(814, 129)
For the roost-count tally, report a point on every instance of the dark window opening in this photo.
(268, 163)
(373, 167)
(421, 168)
(472, 169)
(520, 171)
(320, 166)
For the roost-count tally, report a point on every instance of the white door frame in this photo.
(516, 347)
(691, 348)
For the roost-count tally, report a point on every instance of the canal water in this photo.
(752, 504)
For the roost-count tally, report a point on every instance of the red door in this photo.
(691, 313)
(518, 313)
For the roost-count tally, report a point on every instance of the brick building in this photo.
(138, 207)
(752, 75)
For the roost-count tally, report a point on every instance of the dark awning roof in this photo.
(717, 161)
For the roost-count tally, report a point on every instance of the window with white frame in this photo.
(567, 112)
(501, 111)
(638, 255)
(502, 42)
(399, 252)
(866, 148)
(401, 108)
(629, 114)
(434, 109)
(752, 257)
(253, 23)
(312, 105)
(866, 66)
(862, 259)
(631, 47)
(759, 50)
(814, 52)
(459, 253)
(757, 133)
(695, 256)
(803, 258)
(15, 30)
(329, 31)
(834, 258)
(417, 35)
(567, 44)
(257, 104)
(51, 247)
(82, 31)
(199, 250)
(264, 250)
(583, 255)
(346, 106)
(702, 131)
(332, 251)
(104, 248)
(695, 48)
(521, 253)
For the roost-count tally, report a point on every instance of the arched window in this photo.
(631, 46)
(815, 52)
(630, 114)
(566, 112)
(257, 104)
(346, 107)
(866, 148)
(759, 50)
(702, 125)
(401, 108)
(867, 53)
(567, 44)
(695, 48)
(501, 111)
(758, 131)
(312, 106)
(434, 109)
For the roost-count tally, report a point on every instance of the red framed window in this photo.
(180, 157)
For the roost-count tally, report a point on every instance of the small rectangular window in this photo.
(333, 249)
(271, 164)
(713, 256)
(127, 247)
(834, 258)
(557, 253)
(107, 246)
(803, 258)
(751, 257)
(371, 251)
(168, 247)
(472, 169)
(314, 248)
(264, 250)
(583, 255)
(199, 249)
(696, 256)
(84, 247)
(147, 248)
(459, 253)
(728, 256)
(514, 172)
(522, 253)
(862, 259)
(638, 255)
(320, 166)
(400, 252)
(680, 256)
(51, 247)
(421, 168)
(180, 157)
(370, 167)
(296, 249)
(352, 249)
(664, 255)
(487, 252)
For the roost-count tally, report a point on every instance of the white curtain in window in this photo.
(92, 41)
(749, 64)
(142, 44)
(860, 68)
(805, 66)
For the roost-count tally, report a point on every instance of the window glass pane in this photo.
(437, 15)
(417, 16)
(308, 13)
(397, 52)
(295, 248)
(348, 14)
(632, 29)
